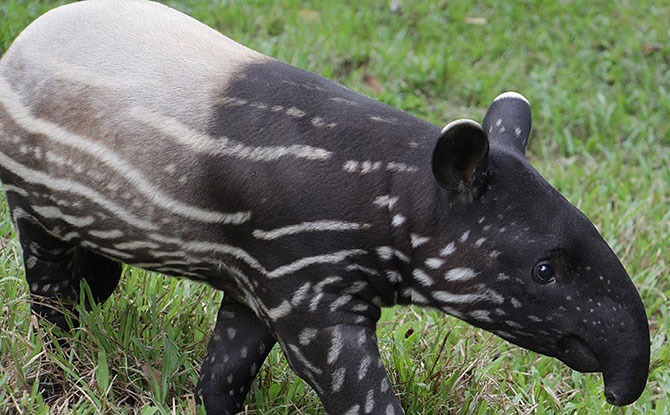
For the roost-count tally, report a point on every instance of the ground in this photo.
(598, 76)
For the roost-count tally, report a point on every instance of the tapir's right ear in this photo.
(508, 121)
(461, 157)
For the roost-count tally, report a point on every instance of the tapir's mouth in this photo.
(576, 353)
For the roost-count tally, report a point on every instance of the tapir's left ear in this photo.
(508, 121)
(461, 157)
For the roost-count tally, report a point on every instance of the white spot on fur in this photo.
(365, 270)
(369, 166)
(307, 335)
(315, 302)
(393, 277)
(401, 167)
(344, 101)
(416, 240)
(363, 367)
(422, 278)
(300, 294)
(414, 296)
(385, 252)
(504, 334)
(280, 311)
(434, 263)
(398, 220)
(336, 344)
(339, 302)
(448, 250)
(377, 118)
(464, 237)
(460, 274)
(338, 379)
(481, 315)
(354, 410)
(384, 386)
(370, 401)
(295, 112)
(513, 324)
(386, 201)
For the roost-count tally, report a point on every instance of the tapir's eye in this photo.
(543, 272)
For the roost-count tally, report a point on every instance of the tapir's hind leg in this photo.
(239, 345)
(48, 264)
(101, 273)
(54, 269)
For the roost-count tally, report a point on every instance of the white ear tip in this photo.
(512, 95)
(461, 121)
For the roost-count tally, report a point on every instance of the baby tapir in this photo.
(131, 133)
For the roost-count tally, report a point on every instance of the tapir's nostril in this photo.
(611, 397)
(619, 397)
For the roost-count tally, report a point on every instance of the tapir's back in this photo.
(137, 51)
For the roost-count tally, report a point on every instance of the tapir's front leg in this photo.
(342, 363)
(239, 345)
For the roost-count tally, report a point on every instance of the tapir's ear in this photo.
(508, 121)
(461, 157)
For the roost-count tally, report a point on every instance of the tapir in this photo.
(132, 133)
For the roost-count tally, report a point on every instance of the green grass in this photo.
(598, 76)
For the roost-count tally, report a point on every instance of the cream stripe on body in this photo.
(22, 116)
(71, 186)
(317, 226)
(240, 254)
(53, 212)
(204, 143)
(180, 132)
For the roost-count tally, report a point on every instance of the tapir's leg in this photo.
(101, 273)
(343, 365)
(239, 345)
(48, 264)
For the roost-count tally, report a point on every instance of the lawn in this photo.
(598, 76)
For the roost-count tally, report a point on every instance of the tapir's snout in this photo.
(607, 318)
(625, 366)
(621, 353)
(623, 361)
(615, 341)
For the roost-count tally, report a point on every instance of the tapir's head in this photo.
(516, 258)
